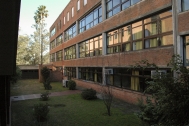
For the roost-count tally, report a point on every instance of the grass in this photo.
(32, 86)
(72, 110)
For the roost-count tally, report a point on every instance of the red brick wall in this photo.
(123, 94)
(159, 56)
(183, 21)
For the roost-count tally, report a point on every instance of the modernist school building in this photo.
(96, 41)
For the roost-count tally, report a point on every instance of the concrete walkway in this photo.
(34, 96)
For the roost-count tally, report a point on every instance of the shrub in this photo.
(45, 96)
(40, 112)
(89, 94)
(45, 72)
(47, 84)
(71, 85)
(16, 76)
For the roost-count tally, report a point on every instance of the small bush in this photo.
(40, 112)
(47, 84)
(45, 96)
(45, 72)
(89, 94)
(71, 85)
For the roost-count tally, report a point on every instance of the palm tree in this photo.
(39, 18)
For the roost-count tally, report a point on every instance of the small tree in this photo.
(107, 97)
(170, 97)
(45, 72)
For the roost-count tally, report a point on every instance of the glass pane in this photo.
(125, 5)
(151, 29)
(91, 46)
(137, 45)
(109, 6)
(116, 2)
(100, 11)
(95, 14)
(100, 43)
(167, 40)
(89, 18)
(110, 50)
(126, 36)
(151, 43)
(126, 47)
(96, 44)
(110, 40)
(134, 1)
(117, 80)
(185, 5)
(126, 82)
(166, 25)
(116, 10)
(109, 14)
(136, 24)
(187, 50)
(137, 33)
(117, 48)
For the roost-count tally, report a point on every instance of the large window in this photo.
(129, 79)
(70, 72)
(52, 57)
(92, 19)
(70, 33)
(70, 53)
(59, 40)
(115, 6)
(59, 55)
(53, 32)
(185, 5)
(91, 47)
(186, 50)
(91, 74)
(52, 44)
(151, 32)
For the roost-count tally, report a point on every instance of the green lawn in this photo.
(24, 87)
(72, 110)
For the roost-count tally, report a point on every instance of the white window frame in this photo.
(68, 16)
(85, 2)
(72, 11)
(78, 5)
(64, 20)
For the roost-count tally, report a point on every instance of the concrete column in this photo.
(103, 3)
(63, 37)
(104, 44)
(77, 73)
(77, 27)
(77, 51)
(103, 76)
(175, 26)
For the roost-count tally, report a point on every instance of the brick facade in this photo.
(143, 9)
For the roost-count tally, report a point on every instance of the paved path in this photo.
(34, 96)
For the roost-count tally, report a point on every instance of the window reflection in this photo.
(90, 20)
(186, 50)
(185, 5)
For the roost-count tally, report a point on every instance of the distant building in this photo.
(29, 71)
(96, 41)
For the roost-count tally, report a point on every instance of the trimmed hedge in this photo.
(89, 94)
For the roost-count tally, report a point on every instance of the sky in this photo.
(29, 7)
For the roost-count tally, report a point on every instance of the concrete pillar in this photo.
(103, 3)
(77, 51)
(103, 76)
(104, 44)
(77, 73)
(77, 27)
